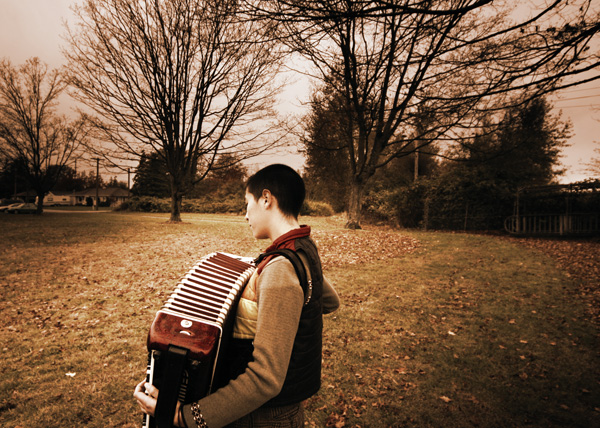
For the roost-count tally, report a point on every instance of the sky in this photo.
(30, 28)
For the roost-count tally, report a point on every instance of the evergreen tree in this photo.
(327, 161)
(113, 182)
(151, 178)
(12, 179)
(326, 166)
(593, 167)
(525, 148)
(225, 179)
(522, 150)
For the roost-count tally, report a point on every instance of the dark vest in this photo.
(303, 378)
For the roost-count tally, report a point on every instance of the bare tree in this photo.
(186, 79)
(457, 59)
(40, 142)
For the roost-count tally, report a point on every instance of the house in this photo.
(111, 196)
(27, 196)
(59, 198)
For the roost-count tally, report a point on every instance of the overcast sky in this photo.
(31, 28)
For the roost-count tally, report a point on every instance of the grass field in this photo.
(436, 329)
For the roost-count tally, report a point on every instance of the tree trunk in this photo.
(175, 208)
(426, 214)
(354, 204)
(40, 203)
(175, 202)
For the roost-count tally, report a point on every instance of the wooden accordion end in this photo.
(190, 332)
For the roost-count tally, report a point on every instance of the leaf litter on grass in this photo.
(121, 281)
(339, 248)
(580, 259)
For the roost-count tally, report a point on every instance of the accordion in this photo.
(190, 333)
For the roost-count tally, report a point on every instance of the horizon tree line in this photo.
(190, 79)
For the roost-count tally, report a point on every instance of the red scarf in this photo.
(287, 241)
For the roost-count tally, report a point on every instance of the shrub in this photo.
(227, 204)
(381, 205)
(148, 204)
(316, 208)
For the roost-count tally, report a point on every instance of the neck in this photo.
(283, 226)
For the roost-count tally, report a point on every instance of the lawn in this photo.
(435, 329)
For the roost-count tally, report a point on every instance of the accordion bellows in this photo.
(191, 331)
(194, 315)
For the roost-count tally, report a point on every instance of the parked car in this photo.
(5, 208)
(27, 208)
(5, 203)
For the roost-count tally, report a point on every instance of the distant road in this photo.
(53, 210)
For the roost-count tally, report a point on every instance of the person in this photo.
(277, 334)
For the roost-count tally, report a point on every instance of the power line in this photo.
(591, 106)
(579, 90)
(578, 98)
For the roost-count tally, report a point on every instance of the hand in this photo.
(147, 394)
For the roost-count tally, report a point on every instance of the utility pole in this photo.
(97, 183)
(416, 163)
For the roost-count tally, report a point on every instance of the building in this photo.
(111, 196)
(58, 198)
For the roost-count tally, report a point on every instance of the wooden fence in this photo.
(553, 224)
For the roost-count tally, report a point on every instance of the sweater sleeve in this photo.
(279, 299)
(331, 300)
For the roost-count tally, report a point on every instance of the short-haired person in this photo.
(278, 337)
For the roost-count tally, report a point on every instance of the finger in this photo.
(145, 401)
(146, 395)
(151, 390)
(178, 422)
(139, 387)
(141, 396)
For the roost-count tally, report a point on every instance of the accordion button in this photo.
(186, 323)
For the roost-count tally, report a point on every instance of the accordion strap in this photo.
(300, 263)
(171, 381)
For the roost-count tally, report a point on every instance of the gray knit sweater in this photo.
(280, 300)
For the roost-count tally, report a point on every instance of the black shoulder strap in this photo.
(299, 267)
(169, 387)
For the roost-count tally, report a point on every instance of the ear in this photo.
(267, 198)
